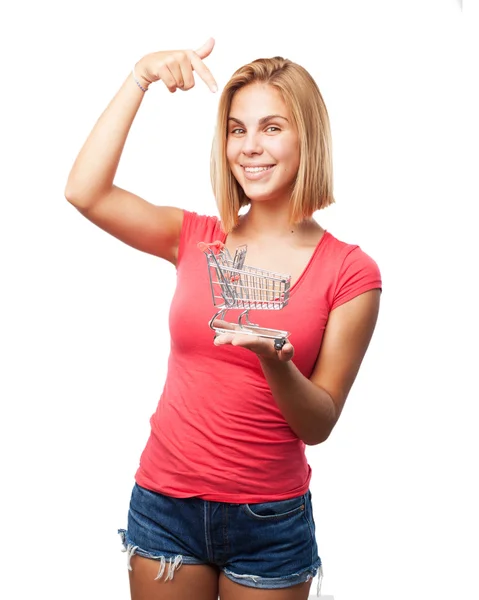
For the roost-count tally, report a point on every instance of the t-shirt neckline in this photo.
(303, 274)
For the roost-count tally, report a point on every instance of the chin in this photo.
(269, 195)
(258, 197)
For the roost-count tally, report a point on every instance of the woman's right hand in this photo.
(175, 68)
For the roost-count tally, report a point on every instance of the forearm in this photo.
(95, 167)
(308, 409)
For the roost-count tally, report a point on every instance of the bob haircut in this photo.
(313, 188)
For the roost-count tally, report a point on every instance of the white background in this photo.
(84, 337)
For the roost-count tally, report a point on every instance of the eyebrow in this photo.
(262, 121)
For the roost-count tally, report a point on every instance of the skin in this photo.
(310, 406)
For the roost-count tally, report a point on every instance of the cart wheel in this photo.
(279, 343)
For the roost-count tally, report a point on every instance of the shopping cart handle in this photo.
(203, 246)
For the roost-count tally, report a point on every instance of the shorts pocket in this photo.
(279, 509)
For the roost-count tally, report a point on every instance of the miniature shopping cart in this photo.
(237, 286)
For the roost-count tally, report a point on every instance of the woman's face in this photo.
(262, 144)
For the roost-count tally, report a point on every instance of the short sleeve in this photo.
(359, 273)
(197, 228)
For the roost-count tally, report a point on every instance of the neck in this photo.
(265, 220)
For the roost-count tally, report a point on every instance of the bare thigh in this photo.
(190, 582)
(230, 590)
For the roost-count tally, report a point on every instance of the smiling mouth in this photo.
(257, 169)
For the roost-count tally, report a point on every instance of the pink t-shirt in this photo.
(217, 432)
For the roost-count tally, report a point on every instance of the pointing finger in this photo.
(203, 71)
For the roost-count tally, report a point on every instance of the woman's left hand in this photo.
(263, 347)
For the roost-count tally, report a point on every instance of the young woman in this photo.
(221, 504)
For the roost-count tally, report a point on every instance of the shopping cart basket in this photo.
(237, 286)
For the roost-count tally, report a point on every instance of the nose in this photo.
(252, 144)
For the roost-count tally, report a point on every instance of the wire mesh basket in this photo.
(235, 285)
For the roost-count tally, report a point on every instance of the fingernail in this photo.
(214, 88)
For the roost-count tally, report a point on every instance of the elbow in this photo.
(71, 192)
(324, 424)
(75, 198)
(82, 193)
(80, 200)
(315, 441)
(320, 435)
(72, 195)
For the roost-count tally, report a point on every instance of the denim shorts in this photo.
(262, 545)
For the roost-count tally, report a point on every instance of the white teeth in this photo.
(256, 169)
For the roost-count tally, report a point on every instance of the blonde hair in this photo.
(313, 188)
